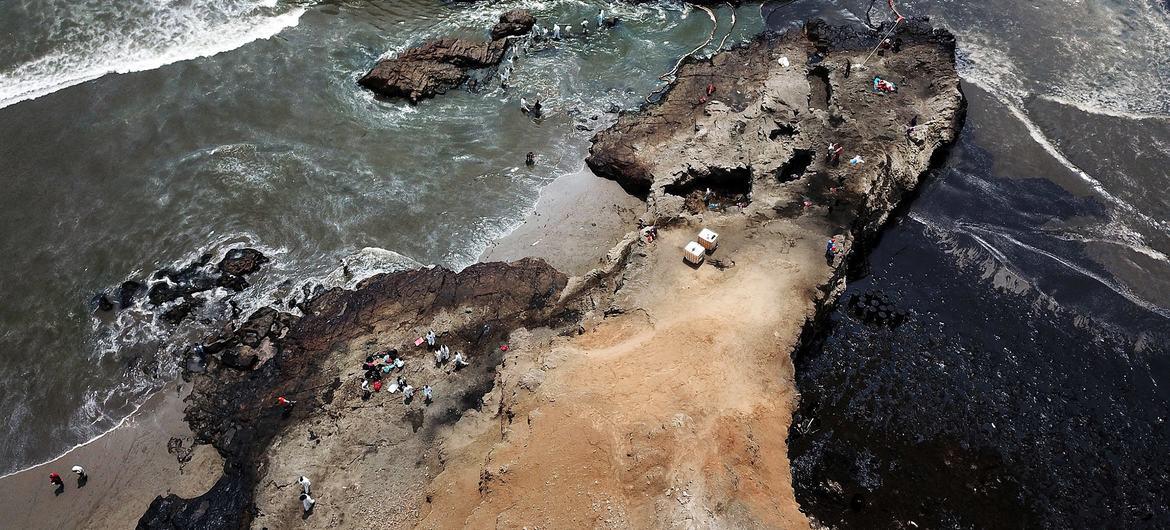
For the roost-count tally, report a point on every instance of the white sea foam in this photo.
(86, 41)
(993, 232)
(993, 71)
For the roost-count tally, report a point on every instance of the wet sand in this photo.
(578, 218)
(128, 467)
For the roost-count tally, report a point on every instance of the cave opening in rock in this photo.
(820, 90)
(782, 130)
(796, 165)
(715, 189)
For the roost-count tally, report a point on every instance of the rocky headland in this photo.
(439, 65)
(644, 393)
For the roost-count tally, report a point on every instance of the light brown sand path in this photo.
(127, 468)
(671, 415)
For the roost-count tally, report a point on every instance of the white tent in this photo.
(708, 239)
(694, 253)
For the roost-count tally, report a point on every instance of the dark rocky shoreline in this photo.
(232, 404)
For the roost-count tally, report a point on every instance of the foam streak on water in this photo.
(85, 41)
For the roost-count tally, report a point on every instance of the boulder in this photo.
(180, 312)
(432, 68)
(242, 261)
(101, 302)
(126, 293)
(439, 65)
(513, 23)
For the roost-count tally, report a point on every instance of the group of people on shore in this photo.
(380, 367)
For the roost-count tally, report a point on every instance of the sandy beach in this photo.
(577, 219)
(151, 453)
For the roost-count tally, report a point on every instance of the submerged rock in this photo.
(101, 302)
(126, 293)
(439, 65)
(180, 312)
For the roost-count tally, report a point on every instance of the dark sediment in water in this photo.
(986, 407)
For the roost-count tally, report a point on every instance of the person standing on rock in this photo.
(431, 338)
(600, 18)
(407, 394)
(305, 484)
(835, 151)
(831, 250)
(556, 32)
(427, 394)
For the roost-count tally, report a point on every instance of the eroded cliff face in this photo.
(742, 123)
(647, 393)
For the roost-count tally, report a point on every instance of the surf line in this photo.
(116, 426)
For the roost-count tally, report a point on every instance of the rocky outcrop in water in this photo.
(513, 23)
(168, 285)
(439, 65)
(197, 277)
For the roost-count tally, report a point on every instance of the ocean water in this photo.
(1031, 375)
(142, 134)
(1028, 387)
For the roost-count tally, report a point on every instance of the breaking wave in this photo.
(79, 42)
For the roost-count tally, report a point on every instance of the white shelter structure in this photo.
(694, 253)
(709, 239)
